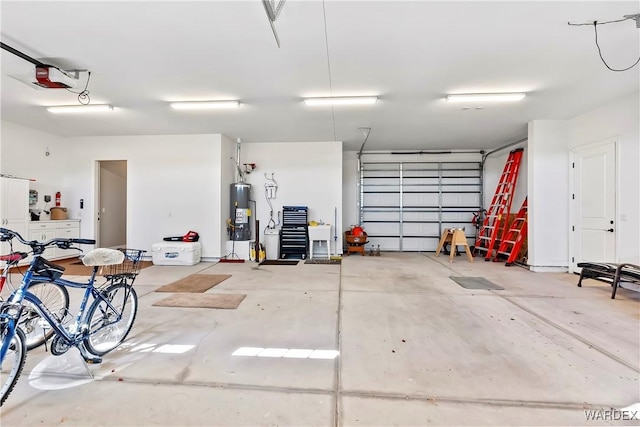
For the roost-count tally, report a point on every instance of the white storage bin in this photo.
(176, 253)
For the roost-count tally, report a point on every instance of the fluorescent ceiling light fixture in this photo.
(486, 97)
(92, 108)
(343, 100)
(204, 105)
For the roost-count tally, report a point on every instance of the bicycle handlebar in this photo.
(6, 235)
(83, 241)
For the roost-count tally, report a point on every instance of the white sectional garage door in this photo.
(404, 206)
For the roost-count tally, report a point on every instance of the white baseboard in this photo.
(549, 269)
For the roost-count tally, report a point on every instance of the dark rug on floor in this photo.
(195, 283)
(323, 261)
(475, 283)
(188, 300)
(280, 262)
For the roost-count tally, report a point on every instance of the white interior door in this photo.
(594, 213)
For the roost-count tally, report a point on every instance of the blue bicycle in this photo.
(97, 329)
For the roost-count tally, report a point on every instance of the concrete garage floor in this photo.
(414, 348)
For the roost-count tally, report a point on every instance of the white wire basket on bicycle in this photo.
(129, 268)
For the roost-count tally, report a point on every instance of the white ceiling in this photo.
(410, 54)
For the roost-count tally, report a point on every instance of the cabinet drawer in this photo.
(41, 226)
(68, 233)
(67, 224)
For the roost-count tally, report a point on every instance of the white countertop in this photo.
(50, 221)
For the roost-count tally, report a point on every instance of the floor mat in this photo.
(475, 283)
(188, 300)
(196, 283)
(280, 262)
(323, 261)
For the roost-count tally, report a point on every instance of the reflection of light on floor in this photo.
(164, 348)
(59, 372)
(291, 353)
(173, 348)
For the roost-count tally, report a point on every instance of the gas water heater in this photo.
(240, 213)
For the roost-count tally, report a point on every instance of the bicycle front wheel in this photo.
(13, 361)
(110, 318)
(36, 329)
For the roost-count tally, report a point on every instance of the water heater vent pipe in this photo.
(237, 161)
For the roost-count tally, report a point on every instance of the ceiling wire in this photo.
(83, 96)
(597, 23)
(326, 42)
(595, 30)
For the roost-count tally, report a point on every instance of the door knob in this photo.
(610, 230)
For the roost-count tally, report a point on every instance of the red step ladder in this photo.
(495, 221)
(512, 241)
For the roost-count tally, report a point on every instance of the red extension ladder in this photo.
(512, 241)
(495, 221)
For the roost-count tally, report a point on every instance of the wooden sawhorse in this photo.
(456, 237)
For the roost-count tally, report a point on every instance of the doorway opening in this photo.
(111, 203)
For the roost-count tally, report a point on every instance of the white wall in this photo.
(177, 183)
(227, 175)
(174, 182)
(24, 155)
(548, 191)
(350, 189)
(620, 121)
(549, 146)
(308, 174)
(172, 185)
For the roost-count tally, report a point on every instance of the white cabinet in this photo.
(45, 230)
(67, 230)
(320, 233)
(42, 232)
(14, 210)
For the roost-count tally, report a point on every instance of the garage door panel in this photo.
(406, 205)
(382, 199)
(386, 243)
(420, 199)
(411, 244)
(420, 216)
(421, 229)
(460, 200)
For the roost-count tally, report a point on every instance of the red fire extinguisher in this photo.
(58, 196)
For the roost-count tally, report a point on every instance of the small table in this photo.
(456, 237)
(320, 233)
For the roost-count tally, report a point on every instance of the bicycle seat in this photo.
(102, 256)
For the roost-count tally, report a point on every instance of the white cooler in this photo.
(176, 253)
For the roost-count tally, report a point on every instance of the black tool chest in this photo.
(293, 234)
